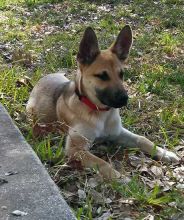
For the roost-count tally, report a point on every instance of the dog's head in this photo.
(101, 72)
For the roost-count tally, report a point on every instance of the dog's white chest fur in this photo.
(108, 125)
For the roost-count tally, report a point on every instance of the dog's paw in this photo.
(167, 156)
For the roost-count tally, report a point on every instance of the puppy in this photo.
(88, 107)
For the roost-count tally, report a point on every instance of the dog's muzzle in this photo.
(112, 98)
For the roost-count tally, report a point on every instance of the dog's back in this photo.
(42, 102)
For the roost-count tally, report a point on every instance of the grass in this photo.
(42, 36)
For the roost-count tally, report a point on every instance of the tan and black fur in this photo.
(100, 79)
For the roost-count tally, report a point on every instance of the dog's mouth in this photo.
(112, 97)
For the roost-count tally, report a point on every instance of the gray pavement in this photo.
(30, 190)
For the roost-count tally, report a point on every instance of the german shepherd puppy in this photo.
(88, 106)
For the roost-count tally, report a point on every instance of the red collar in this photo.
(87, 102)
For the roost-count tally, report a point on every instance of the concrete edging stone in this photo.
(30, 190)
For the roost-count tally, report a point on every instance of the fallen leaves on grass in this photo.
(87, 185)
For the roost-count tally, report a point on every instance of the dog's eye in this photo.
(103, 76)
(121, 74)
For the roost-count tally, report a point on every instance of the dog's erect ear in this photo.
(88, 49)
(123, 43)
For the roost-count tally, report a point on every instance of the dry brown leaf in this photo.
(134, 160)
(149, 217)
(25, 81)
(98, 197)
(92, 182)
(144, 169)
(180, 186)
(157, 171)
(127, 201)
(81, 194)
(104, 216)
(152, 183)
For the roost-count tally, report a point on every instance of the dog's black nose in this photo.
(121, 99)
(112, 97)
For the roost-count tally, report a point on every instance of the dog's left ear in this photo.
(88, 48)
(123, 43)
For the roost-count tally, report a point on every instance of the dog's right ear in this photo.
(123, 43)
(88, 49)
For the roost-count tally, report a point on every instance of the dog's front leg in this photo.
(77, 149)
(129, 139)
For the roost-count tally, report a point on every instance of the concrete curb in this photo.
(31, 190)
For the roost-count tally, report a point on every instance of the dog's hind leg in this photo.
(77, 149)
(129, 139)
